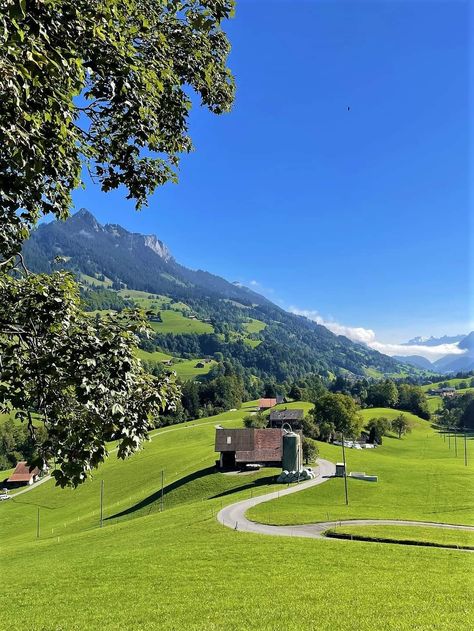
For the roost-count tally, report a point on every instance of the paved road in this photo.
(233, 516)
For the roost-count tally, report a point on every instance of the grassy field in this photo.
(156, 356)
(418, 479)
(91, 280)
(175, 322)
(420, 534)
(434, 403)
(186, 368)
(452, 383)
(254, 326)
(179, 569)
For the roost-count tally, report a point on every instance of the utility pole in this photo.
(449, 439)
(455, 442)
(101, 503)
(162, 484)
(465, 447)
(345, 471)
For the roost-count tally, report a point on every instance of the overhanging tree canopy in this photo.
(103, 85)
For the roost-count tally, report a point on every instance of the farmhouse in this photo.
(294, 418)
(444, 392)
(23, 475)
(266, 404)
(241, 447)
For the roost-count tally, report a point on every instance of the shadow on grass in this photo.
(156, 496)
(269, 479)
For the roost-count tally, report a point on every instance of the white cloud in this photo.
(368, 337)
(258, 287)
(430, 352)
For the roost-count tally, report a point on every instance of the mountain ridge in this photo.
(289, 346)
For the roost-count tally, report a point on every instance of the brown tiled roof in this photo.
(22, 473)
(251, 444)
(287, 415)
(267, 403)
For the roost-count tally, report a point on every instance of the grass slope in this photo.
(419, 478)
(452, 383)
(419, 534)
(175, 322)
(180, 569)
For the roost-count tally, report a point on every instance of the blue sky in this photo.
(356, 217)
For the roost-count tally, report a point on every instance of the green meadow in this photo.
(254, 326)
(419, 478)
(452, 383)
(175, 322)
(156, 356)
(419, 534)
(179, 569)
(186, 368)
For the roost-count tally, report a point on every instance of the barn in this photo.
(241, 447)
(23, 475)
(294, 418)
(266, 404)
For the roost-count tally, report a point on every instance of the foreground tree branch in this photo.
(103, 86)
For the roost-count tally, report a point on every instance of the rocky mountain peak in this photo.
(151, 241)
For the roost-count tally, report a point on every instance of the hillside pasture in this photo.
(180, 569)
(419, 477)
(416, 534)
(91, 280)
(156, 356)
(175, 322)
(186, 368)
(452, 383)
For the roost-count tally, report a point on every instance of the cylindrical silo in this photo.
(291, 452)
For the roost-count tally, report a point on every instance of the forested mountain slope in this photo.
(283, 346)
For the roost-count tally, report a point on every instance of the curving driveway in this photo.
(233, 516)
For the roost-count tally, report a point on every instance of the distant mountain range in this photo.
(289, 346)
(449, 363)
(434, 341)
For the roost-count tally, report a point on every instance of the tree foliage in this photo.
(75, 374)
(104, 86)
(377, 428)
(338, 411)
(310, 450)
(402, 425)
(258, 420)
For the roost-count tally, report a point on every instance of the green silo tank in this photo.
(291, 452)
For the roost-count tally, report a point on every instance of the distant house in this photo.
(266, 404)
(23, 475)
(241, 447)
(294, 418)
(280, 399)
(444, 392)
(168, 362)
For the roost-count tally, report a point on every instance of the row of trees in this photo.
(385, 393)
(458, 411)
(16, 443)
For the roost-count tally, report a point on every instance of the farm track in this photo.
(233, 516)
